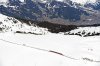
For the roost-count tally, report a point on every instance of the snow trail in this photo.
(51, 51)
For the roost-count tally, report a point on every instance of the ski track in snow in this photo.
(50, 51)
(52, 46)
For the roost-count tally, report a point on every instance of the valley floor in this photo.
(48, 50)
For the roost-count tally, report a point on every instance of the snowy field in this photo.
(48, 50)
(38, 47)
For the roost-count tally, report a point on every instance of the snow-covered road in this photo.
(84, 49)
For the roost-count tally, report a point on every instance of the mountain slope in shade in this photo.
(50, 11)
(62, 12)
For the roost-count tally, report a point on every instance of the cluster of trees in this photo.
(52, 27)
(56, 28)
(84, 34)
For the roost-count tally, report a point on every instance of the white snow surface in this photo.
(45, 50)
(84, 1)
(33, 50)
(8, 1)
(85, 31)
(3, 0)
(10, 24)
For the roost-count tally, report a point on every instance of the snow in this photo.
(71, 46)
(84, 1)
(10, 24)
(48, 49)
(22, 0)
(77, 1)
(85, 31)
(4, 1)
(61, 0)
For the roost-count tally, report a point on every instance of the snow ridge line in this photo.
(58, 53)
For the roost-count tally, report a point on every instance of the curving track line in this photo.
(51, 51)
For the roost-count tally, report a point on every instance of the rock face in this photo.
(64, 12)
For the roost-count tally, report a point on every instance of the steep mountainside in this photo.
(64, 12)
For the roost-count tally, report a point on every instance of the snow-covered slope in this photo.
(7, 1)
(48, 50)
(77, 1)
(84, 1)
(10, 24)
(85, 31)
(4, 1)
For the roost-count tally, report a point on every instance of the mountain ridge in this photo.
(54, 11)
